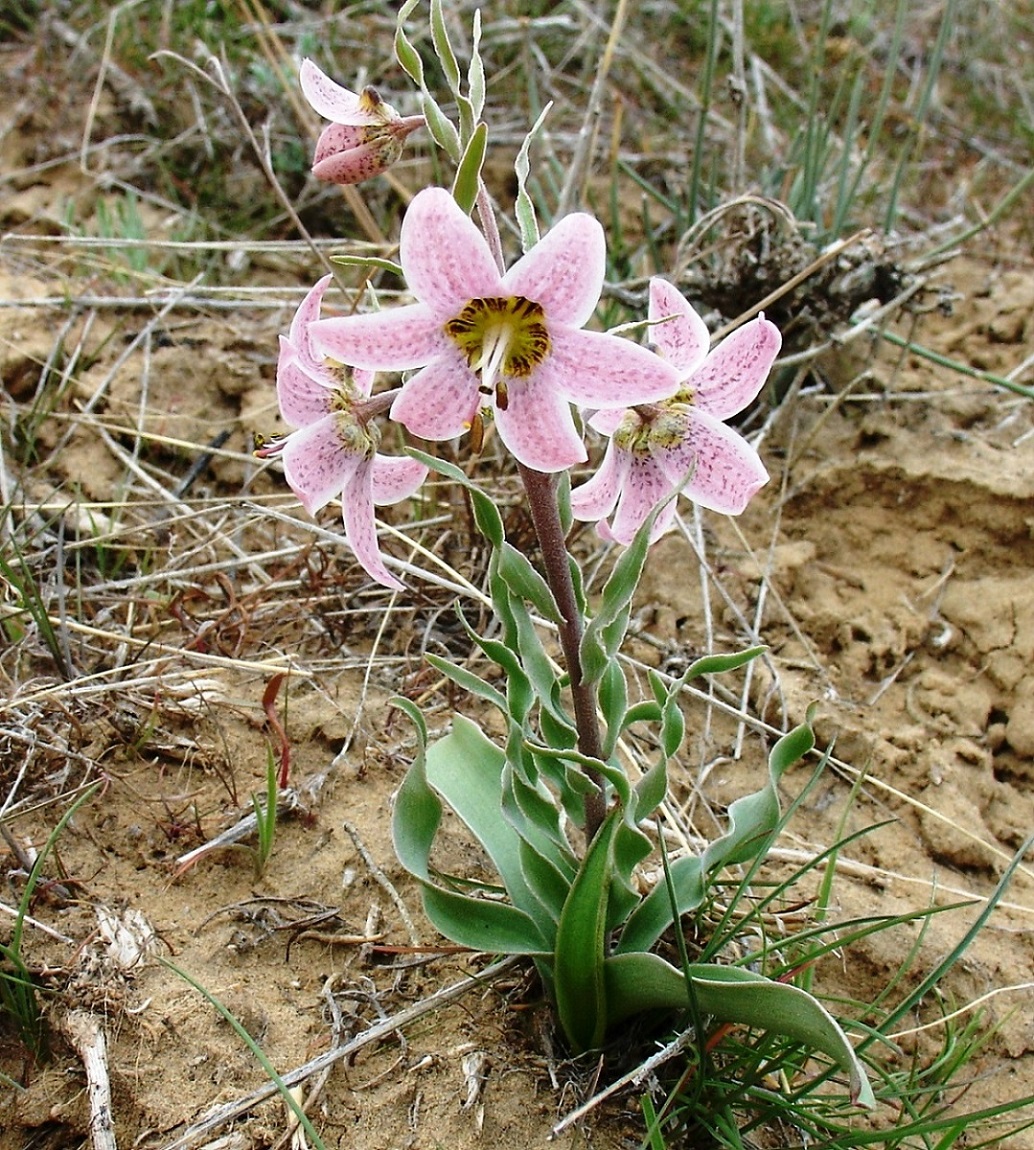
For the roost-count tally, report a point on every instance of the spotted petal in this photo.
(304, 397)
(395, 478)
(445, 258)
(598, 370)
(537, 426)
(337, 138)
(308, 312)
(361, 526)
(596, 497)
(393, 340)
(606, 422)
(644, 487)
(440, 401)
(317, 465)
(564, 271)
(331, 100)
(725, 471)
(683, 338)
(358, 164)
(733, 374)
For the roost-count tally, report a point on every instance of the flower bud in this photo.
(365, 136)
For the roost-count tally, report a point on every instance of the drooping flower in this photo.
(509, 345)
(333, 450)
(365, 136)
(655, 449)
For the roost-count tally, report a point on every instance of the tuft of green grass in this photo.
(265, 808)
(30, 606)
(736, 1088)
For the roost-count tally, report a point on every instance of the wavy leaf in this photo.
(467, 181)
(478, 923)
(638, 982)
(752, 818)
(523, 580)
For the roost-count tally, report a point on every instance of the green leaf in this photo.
(533, 814)
(481, 924)
(524, 208)
(673, 725)
(443, 48)
(642, 712)
(651, 789)
(719, 664)
(612, 698)
(520, 697)
(405, 53)
(486, 514)
(578, 961)
(638, 982)
(369, 262)
(466, 679)
(476, 70)
(538, 666)
(438, 124)
(466, 769)
(451, 69)
(523, 580)
(478, 923)
(609, 770)
(542, 877)
(606, 630)
(559, 733)
(468, 173)
(441, 127)
(752, 819)
(563, 499)
(631, 846)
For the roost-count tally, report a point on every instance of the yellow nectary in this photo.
(501, 336)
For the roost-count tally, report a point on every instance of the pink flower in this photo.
(334, 449)
(506, 345)
(365, 136)
(654, 449)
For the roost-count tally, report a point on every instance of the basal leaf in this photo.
(638, 982)
(466, 769)
(533, 814)
(548, 884)
(578, 962)
(481, 924)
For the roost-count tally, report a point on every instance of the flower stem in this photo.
(545, 515)
(489, 225)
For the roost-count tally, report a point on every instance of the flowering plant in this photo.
(558, 812)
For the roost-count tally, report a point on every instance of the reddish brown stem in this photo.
(545, 515)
